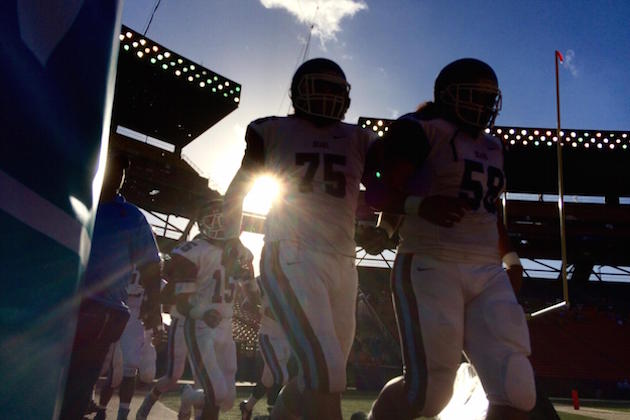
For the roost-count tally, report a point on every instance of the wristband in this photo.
(511, 259)
(412, 204)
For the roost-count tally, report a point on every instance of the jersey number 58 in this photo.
(472, 189)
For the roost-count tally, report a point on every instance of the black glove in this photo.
(160, 336)
(375, 240)
(152, 318)
(150, 311)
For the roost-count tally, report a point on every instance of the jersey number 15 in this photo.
(222, 294)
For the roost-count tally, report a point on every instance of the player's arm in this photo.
(377, 238)
(509, 256)
(182, 273)
(145, 254)
(253, 162)
(248, 285)
(391, 163)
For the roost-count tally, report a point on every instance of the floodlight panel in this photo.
(166, 96)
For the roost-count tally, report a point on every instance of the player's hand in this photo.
(251, 306)
(212, 318)
(167, 295)
(152, 318)
(443, 211)
(233, 253)
(159, 337)
(515, 273)
(375, 239)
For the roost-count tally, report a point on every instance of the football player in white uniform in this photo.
(307, 264)
(176, 352)
(444, 174)
(206, 279)
(134, 343)
(275, 351)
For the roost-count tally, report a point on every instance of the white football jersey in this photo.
(214, 290)
(458, 165)
(320, 168)
(134, 287)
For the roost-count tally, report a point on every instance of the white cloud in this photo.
(569, 64)
(325, 15)
(394, 114)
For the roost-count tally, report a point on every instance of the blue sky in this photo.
(391, 52)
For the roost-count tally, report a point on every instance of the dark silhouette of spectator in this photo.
(123, 246)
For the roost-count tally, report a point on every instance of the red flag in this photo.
(559, 56)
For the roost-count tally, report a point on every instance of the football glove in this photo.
(375, 240)
(159, 337)
(233, 257)
(150, 311)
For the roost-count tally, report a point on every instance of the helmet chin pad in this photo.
(322, 95)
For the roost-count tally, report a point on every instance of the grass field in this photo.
(361, 401)
(352, 401)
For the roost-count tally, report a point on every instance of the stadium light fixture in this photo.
(153, 52)
(547, 309)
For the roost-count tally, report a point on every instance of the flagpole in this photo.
(563, 240)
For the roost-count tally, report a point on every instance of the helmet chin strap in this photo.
(448, 113)
(315, 119)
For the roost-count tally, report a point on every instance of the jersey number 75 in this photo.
(335, 181)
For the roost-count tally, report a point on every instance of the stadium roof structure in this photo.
(164, 101)
(594, 159)
(166, 96)
(596, 189)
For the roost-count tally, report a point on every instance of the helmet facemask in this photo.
(211, 222)
(474, 104)
(322, 95)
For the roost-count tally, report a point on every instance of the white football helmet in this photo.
(211, 220)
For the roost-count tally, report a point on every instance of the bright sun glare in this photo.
(259, 200)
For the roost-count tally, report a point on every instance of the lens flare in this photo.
(262, 195)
